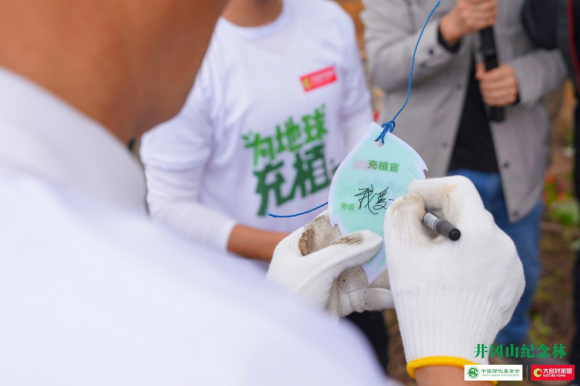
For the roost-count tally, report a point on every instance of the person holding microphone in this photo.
(452, 126)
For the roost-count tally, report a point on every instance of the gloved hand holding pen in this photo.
(449, 296)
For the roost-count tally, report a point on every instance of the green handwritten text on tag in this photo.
(366, 184)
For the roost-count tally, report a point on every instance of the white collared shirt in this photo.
(92, 293)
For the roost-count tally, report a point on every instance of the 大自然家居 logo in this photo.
(552, 373)
(493, 372)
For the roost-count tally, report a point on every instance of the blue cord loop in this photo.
(390, 125)
(297, 214)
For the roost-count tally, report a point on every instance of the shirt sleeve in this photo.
(175, 154)
(453, 49)
(356, 109)
(537, 73)
(391, 33)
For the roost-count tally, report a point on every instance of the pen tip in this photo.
(455, 234)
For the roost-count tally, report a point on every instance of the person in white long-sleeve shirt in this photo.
(93, 293)
(280, 100)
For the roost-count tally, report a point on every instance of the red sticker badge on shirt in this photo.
(318, 79)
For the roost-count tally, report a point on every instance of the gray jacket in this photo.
(431, 120)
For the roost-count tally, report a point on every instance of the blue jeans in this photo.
(526, 236)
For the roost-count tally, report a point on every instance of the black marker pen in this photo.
(442, 227)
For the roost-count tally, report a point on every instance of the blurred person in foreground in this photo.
(93, 293)
(447, 122)
(280, 100)
(551, 25)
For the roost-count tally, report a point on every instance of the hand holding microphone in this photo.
(499, 86)
(498, 82)
(467, 17)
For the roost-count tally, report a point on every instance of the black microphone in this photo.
(489, 52)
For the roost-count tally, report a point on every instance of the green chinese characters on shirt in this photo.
(304, 139)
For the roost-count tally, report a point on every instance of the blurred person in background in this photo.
(280, 100)
(446, 119)
(551, 25)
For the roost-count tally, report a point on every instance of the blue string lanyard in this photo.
(388, 126)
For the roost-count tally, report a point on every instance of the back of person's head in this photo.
(128, 64)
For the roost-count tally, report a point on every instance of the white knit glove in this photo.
(450, 296)
(323, 268)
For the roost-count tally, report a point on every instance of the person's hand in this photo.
(499, 87)
(449, 296)
(467, 17)
(323, 267)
